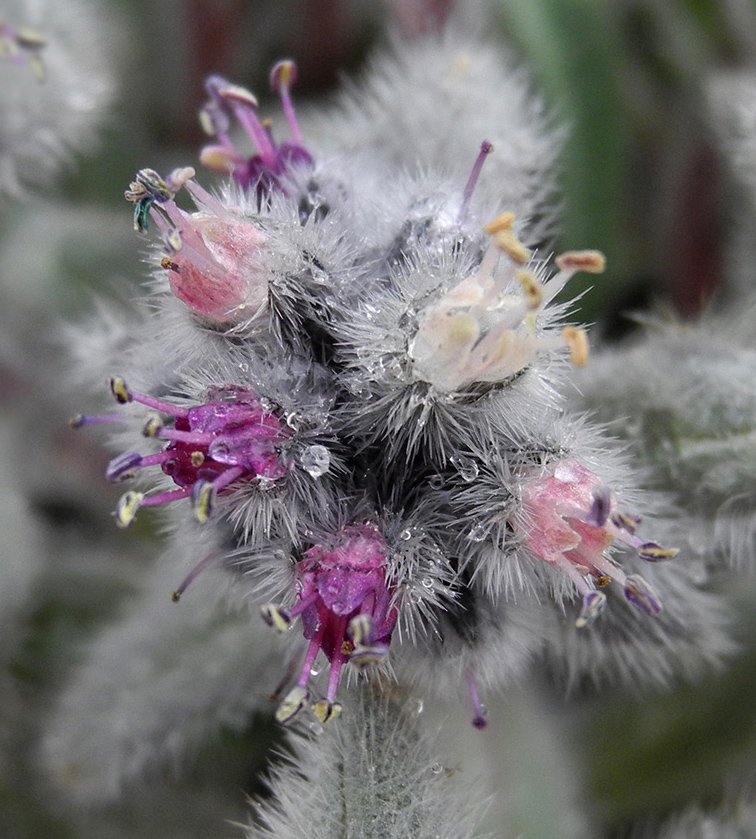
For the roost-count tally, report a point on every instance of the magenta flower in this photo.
(570, 520)
(347, 612)
(230, 438)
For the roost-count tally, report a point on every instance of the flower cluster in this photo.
(357, 371)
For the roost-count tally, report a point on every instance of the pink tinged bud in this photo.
(219, 271)
(570, 521)
(346, 609)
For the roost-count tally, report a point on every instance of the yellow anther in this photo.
(275, 617)
(292, 706)
(77, 421)
(327, 711)
(152, 425)
(577, 341)
(532, 288)
(126, 511)
(197, 459)
(203, 502)
(169, 265)
(218, 158)
(603, 580)
(592, 262)
(502, 223)
(120, 390)
(175, 596)
(360, 629)
(513, 247)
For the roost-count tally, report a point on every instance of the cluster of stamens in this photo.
(570, 521)
(232, 437)
(264, 170)
(478, 332)
(347, 612)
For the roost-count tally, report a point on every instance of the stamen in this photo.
(293, 704)
(479, 709)
(209, 560)
(593, 605)
(625, 522)
(652, 552)
(640, 593)
(485, 149)
(577, 343)
(512, 246)
(602, 503)
(276, 617)
(126, 511)
(123, 467)
(153, 425)
(532, 288)
(244, 105)
(326, 711)
(120, 390)
(80, 420)
(367, 656)
(360, 629)
(282, 79)
(501, 224)
(590, 262)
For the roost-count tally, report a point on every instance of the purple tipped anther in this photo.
(485, 149)
(640, 593)
(601, 506)
(123, 467)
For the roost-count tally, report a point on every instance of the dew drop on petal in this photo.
(436, 481)
(415, 706)
(315, 460)
(405, 535)
(477, 533)
(437, 769)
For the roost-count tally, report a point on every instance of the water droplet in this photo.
(436, 481)
(477, 533)
(415, 706)
(279, 555)
(316, 728)
(316, 668)
(244, 367)
(414, 596)
(467, 468)
(315, 460)
(405, 535)
(319, 276)
(437, 769)
(426, 582)
(295, 421)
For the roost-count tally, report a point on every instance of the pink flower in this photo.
(570, 521)
(347, 613)
(215, 258)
